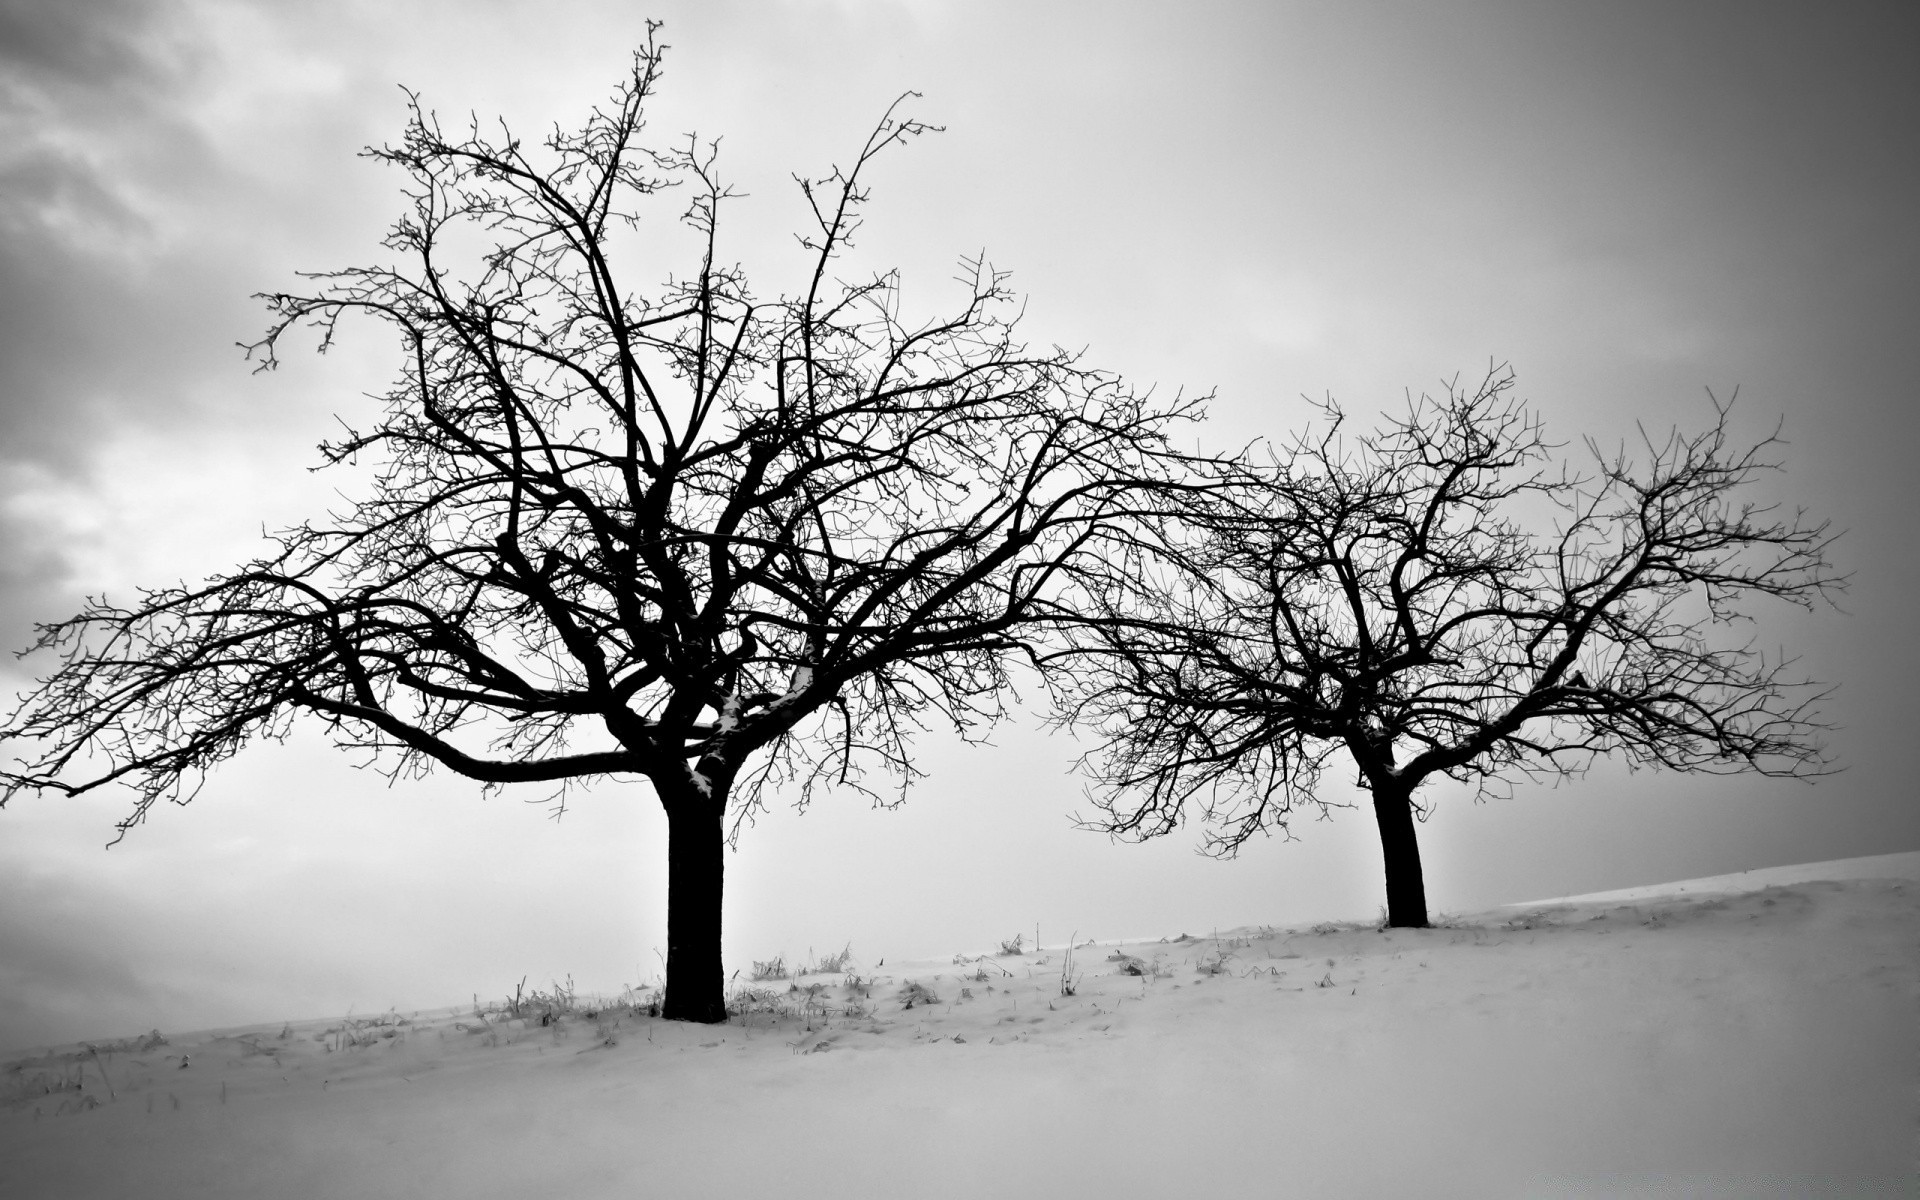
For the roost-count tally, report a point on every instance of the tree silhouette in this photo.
(674, 532)
(1435, 599)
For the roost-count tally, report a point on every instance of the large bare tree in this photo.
(1439, 599)
(630, 521)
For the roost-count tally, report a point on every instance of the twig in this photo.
(102, 1067)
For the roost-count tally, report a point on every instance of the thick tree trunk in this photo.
(696, 982)
(1406, 886)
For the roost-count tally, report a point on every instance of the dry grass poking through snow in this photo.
(1754, 1042)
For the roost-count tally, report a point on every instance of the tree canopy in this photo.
(1442, 598)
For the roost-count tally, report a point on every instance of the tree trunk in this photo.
(696, 981)
(1406, 886)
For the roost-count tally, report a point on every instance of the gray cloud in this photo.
(81, 40)
(84, 85)
(129, 246)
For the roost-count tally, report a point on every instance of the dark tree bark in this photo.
(1400, 853)
(618, 528)
(696, 875)
(1396, 599)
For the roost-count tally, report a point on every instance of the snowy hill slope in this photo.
(1702, 1039)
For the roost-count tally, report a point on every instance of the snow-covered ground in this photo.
(1753, 1035)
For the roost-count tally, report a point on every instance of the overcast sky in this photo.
(1632, 203)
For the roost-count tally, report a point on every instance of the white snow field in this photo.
(1753, 1035)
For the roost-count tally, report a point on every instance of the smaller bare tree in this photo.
(1396, 598)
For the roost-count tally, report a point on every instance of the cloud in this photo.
(85, 86)
(141, 204)
(82, 41)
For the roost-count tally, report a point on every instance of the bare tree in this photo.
(673, 532)
(1437, 599)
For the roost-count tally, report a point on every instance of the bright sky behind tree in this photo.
(1631, 203)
